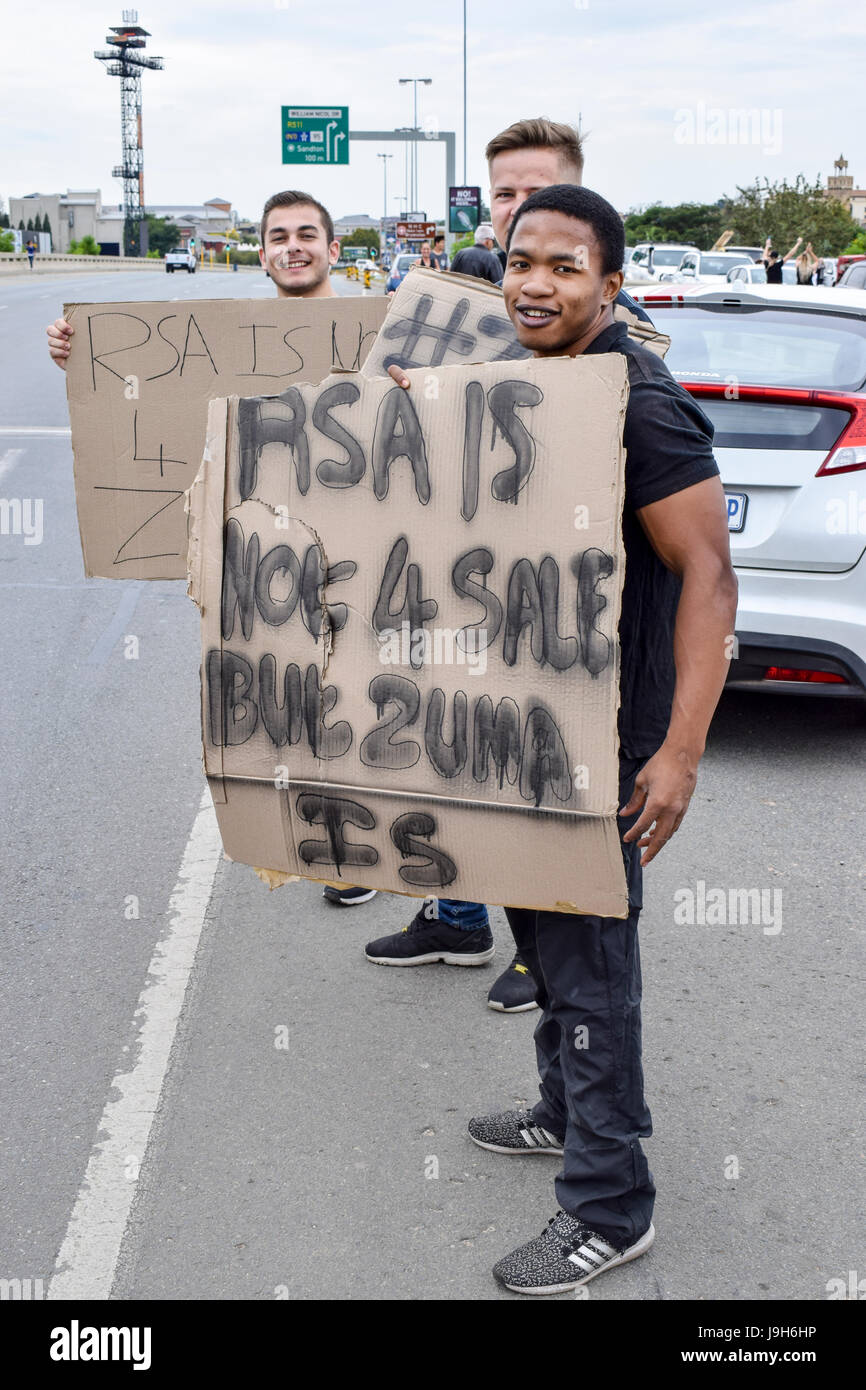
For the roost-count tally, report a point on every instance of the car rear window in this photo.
(720, 265)
(662, 257)
(764, 347)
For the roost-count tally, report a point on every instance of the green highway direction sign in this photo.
(315, 134)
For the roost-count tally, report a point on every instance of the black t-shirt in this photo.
(774, 273)
(478, 261)
(668, 442)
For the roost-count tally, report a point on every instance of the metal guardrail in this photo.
(64, 258)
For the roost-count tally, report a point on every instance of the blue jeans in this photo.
(588, 1047)
(466, 916)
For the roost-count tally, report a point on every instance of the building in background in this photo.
(78, 213)
(840, 185)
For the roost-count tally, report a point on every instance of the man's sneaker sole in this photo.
(639, 1248)
(447, 957)
(557, 1151)
(514, 1009)
(335, 898)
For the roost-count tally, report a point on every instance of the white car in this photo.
(709, 266)
(781, 372)
(182, 258)
(757, 275)
(650, 259)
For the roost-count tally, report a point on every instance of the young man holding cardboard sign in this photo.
(297, 251)
(529, 155)
(565, 248)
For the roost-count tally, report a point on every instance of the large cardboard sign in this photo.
(410, 603)
(139, 379)
(436, 319)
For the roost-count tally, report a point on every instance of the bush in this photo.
(7, 241)
(243, 257)
(87, 246)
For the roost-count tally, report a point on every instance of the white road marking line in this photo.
(35, 429)
(87, 1260)
(103, 646)
(9, 460)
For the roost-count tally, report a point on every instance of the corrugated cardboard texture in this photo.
(139, 380)
(439, 320)
(348, 543)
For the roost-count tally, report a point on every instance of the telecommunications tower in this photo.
(125, 60)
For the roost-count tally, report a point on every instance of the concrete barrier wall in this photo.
(16, 258)
(13, 261)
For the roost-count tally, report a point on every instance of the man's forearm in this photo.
(703, 638)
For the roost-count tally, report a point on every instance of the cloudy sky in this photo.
(657, 88)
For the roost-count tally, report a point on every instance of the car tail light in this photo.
(848, 453)
(790, 673)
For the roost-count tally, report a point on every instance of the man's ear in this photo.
(612, 286)
(333, 253)
(261, 255)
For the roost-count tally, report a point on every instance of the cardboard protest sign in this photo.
(139, 379)
(437, 319)
(410, 604)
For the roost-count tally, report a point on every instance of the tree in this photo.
(7, 241)
(85, 247)
(21, 226)
(364, 236)
(785, 211)
(46, 225)
(856, 246)
(693, 224)
(463, 243)
(163, 235)
(37, 222)
(29, 227)
(4, 219)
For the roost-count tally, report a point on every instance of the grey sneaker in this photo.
(565, 1255)
(513, 1132)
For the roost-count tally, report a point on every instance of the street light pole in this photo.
(384, 158)
(464, 91)
(403, 82)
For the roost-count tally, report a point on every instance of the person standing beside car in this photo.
(479, 260)
(773, 262)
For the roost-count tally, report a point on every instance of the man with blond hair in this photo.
(528, 156)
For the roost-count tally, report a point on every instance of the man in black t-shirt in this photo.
(565, 250)
(479, 259)
(773, 261)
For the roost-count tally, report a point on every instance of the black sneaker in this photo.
(565, 1255)
(348, 897)
(514, 991)
(426, 939)
(513, 1132)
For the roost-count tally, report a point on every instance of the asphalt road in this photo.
(307, 1092)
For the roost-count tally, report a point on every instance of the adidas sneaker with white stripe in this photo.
(513, 1132)
(566, 1255)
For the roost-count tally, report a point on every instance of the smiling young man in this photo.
(528, 156)
(298, 249)
(562, 277)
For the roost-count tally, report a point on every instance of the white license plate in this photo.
(737, 502)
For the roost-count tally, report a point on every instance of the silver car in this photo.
(781, 372)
